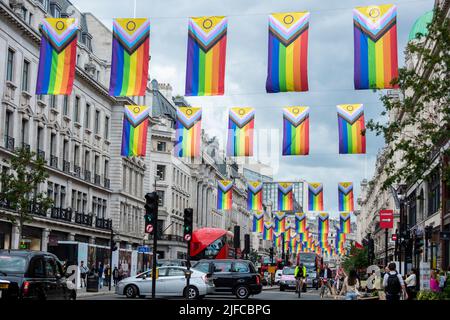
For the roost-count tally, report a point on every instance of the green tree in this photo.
(421, 126)
(357, 259)
(19, 187)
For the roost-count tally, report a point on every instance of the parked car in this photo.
(171, 263)
(171, 281)
(230, 276)
(26, 274)
(287, 280)
(278, 275)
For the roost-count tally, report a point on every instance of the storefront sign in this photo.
(386, 219)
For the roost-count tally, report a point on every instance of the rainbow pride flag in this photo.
(224, 195)
(345, 196)
(323, 228)
(295, 131)
(241, 125)
(285, 196)
(188, 132)
(279, 219)
(254, 195)
(130, 57)
(258, 222)
(57, 57)
(300, 222)
(207, 42)
(277, 240)
(134, 132)
(268, 231)
(375, 37)
(315, 196)
(340, 240)
(288, 52)
(352, 129)
(345, 222)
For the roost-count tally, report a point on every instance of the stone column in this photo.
(15, 237)
(71, 237)
(91, 240)
(45, 239)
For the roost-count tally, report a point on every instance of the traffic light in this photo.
(151, 212)
(114, 246)
(187, 229)
(237, 237)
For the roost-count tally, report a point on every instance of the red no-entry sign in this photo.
(394, 237)
(386, 219)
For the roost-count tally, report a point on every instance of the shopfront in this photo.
(5, 235)
(31, 238)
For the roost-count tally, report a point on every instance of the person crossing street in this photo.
(300, 275)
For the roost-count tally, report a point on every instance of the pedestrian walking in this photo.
(411, 284)
(115, 275)
(393, 284)
(350, 286)
(442, 279)
(100, 275)
(434, 283)
(107, 273)
(83, 273)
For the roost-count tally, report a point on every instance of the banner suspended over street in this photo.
(323, 229)
(315, 196)
(188, 132)
(300, 222)
(285, 196)
(345, 222)
(254, 196)
(295, 131)
(134, 131)
(258, 222)
(57, 58)
(279, 220)
(241, 125)
(206, 55)
(352, 129)
(375, 36)
(268, 231)
(130, 57)
(345, 196)
(288, 52)
(224, 195)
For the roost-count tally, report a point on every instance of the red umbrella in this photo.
(358, 245)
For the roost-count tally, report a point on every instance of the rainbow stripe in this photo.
(254, 196)
(375, 37)
(300, 222)
(241, 125)
(268, 231)
(295, 131)
(224, 195)
(352, 129)
(315, 196)
(279, 222)
(57, 58)
(134, 132)
(345, 196)
(188, 132)
(258, 222)
(130, 57)
(277, 240)
(323, 229)
(288, 52)
(207, 42)
(345, 222)
(285, 196)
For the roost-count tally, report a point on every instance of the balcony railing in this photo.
(54, 161)
(97, 179)
(61, 214)
(5, 204)
(9, 143)
(77, 171)
(87, 175)
(41, 154)
(107, 183)
(66, 166)
(37, 210)
(25, 146)
(84, 219)
(102, 223)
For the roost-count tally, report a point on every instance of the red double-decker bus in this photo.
(212, 243)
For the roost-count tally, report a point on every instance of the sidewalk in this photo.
(271, 287)
(81, 293)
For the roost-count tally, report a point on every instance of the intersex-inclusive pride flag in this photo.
(241, 125)
(295, 131)
(352, 129)
(300, 222)
(258, 222)
(323, 228)
(134, 132)
(224, 195)
(345, 222)
(277, 240)
(345, 196)
(375, 36)
(268, 231)
(188, 131)
(279, 220)
(57, 58)
(254, 195)
(285, 196)
(288, 52)
(315, 196)
(130, 57)
(207, 42)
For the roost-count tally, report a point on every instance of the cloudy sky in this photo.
(330, 69)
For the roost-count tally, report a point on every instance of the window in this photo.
(52, 144)
(202, 266)
(106, 169)
(26, 76)
(39, 138)
(53, 102)
(174, 272)
(96, 164)
(10, 65)
(434, 194)
(63, 197)
(8, 123)
(76, 110)
(124, 180)
(76, 155)
(241, 267)
(23, 13)
(74, 199)
(87, 164)
(160, 198)
(222, 266)
(24, 134)
(161, 172)
(55, 11)
(97, 121)
(66, 106)
(30, 18)
(87, 116)
(106, 128)
(38, 270)
(50, 268)
(161, 146)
